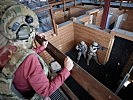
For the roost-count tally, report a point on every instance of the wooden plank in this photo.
(41, 9)
(88, 34)
(64, 41)
(114, 6)
(59, 16)
(61, 2)
(119, 34)
(110, 47)
(128, 67)
(83, 32)
(88, 82)
(127, 25)
(67, 7)
(53, 21)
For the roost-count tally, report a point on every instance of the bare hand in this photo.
(68, 63)
(42, 35)
(44, 44)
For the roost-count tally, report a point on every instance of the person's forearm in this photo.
(44, 87)
(57, 81)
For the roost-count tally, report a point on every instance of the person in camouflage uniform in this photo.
(23, 73)
(92, 52)
(82, 49)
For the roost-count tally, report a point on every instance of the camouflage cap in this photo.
(13, 16)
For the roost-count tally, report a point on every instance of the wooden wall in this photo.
(123, 34)
(67, 34)
(99, 18)
(89, 34)
(64, 41)
(128, 24)
(72, 33)
(74, 12)
(59, 17)
(77, 11)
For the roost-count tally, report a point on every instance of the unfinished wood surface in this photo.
(53, 21)
(77, 11)
(54, 3)
(59, 17)
(128, 67)
(87, 82)
(110, 46)
(99, 18)
(96, 17)
(119, 34)
(64, 41)
(85, 18)
(89, 7)
(74, 12)
(88, 34)
(128, 24)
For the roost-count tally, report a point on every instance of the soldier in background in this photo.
(82, 49)
(92, 52)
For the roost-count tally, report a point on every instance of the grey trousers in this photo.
(79, 55)
(94, 56)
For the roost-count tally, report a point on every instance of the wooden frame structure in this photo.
(52, 12)
(91, 85)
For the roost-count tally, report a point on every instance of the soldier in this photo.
(82, 49)
(24, 74)
(92, 52)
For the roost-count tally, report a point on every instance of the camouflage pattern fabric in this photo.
(6, 76)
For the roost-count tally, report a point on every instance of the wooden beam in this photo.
(53, 21)
(61, 2)
(122, 33)
(59, 9)
(69, 92)
(83, 78)
(56, 3)
(114, 6)
(105, 14)
(41, 9)
(128, 66)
